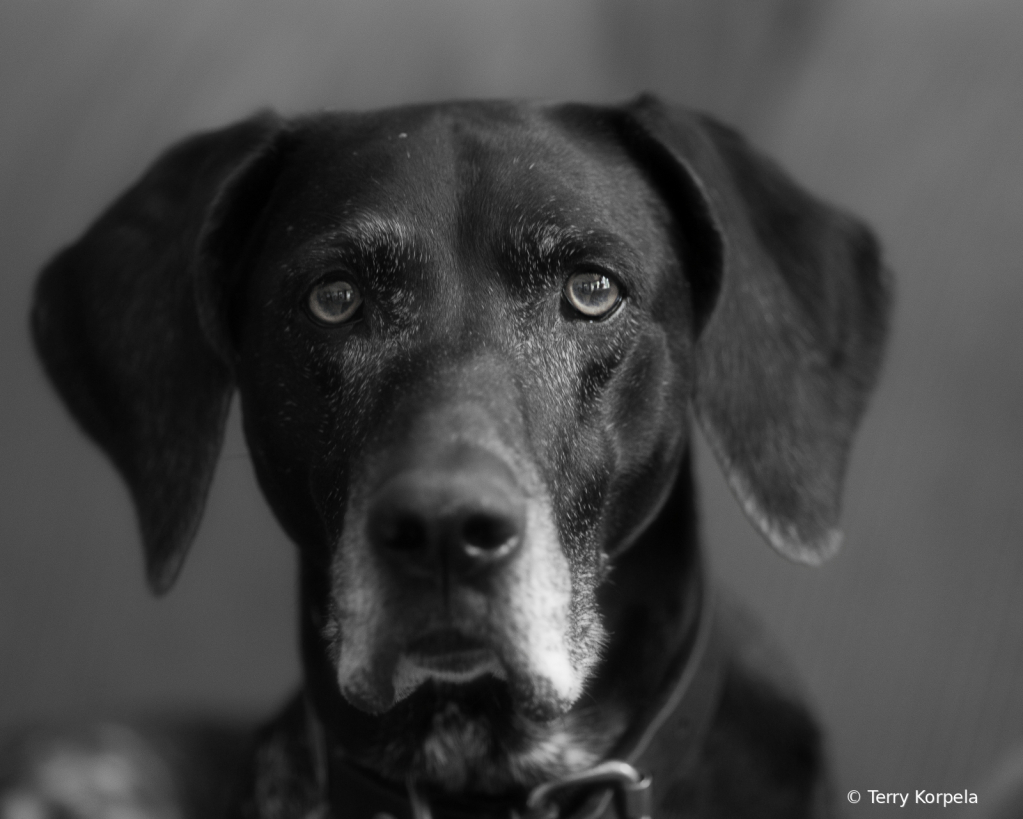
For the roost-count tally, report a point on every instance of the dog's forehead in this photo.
(452, 172)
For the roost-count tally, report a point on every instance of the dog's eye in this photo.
(334, 302)
(593, 294)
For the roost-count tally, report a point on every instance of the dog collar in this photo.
(623, 782)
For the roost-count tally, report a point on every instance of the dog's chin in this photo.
(474, 737)
(453, 677)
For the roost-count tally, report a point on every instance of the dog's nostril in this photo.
(406, 533)
(487, 532)
(461, 520)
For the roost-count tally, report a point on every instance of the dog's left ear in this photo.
(130, 322)
(791, 302)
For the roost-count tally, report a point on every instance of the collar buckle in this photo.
(630, 790)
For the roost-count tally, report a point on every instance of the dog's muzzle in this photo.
(451, 567)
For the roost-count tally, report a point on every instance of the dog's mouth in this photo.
(448, 650)
(444, 655)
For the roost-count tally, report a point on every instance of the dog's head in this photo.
(466, 339)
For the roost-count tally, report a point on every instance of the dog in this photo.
(468, 339)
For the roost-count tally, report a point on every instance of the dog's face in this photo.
(492, 406)
(467, 338)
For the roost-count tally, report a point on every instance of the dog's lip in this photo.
(445, 641)
(448, 649)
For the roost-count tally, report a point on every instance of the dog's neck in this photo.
(651, 607)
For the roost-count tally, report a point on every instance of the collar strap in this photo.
(682, 718)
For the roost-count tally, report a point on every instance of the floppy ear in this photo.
(791, 301)
(131, 327)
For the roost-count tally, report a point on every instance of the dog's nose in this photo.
(458, 521)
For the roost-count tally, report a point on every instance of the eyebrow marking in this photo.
(538, 251)
(545, 242)
(550, 242)
(382, 246)
(373, 235)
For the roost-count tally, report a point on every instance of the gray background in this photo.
(910, 643)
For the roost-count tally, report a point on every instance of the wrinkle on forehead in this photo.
(472, 190)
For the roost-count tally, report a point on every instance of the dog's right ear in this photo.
(130, 322)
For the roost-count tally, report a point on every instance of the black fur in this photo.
(746, 299)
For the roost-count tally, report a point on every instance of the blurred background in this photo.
(908, 112)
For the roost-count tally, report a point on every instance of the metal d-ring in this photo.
(632, 790)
